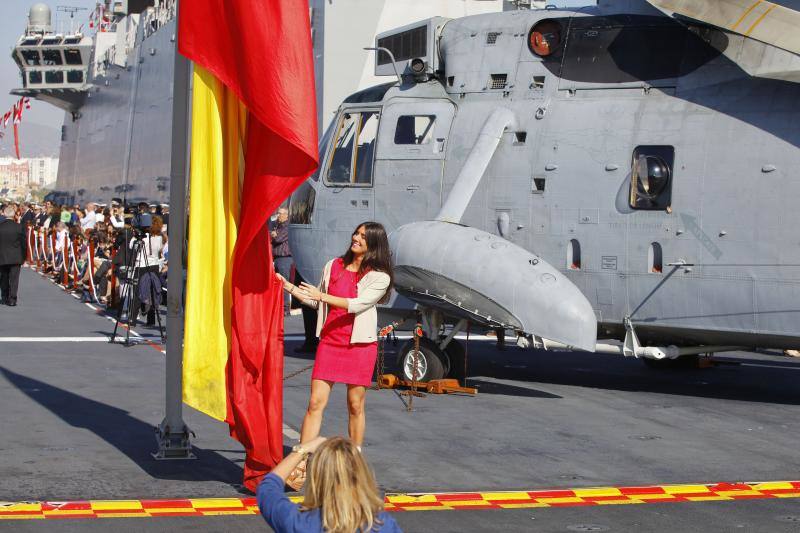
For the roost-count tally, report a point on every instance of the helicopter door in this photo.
(409, 162)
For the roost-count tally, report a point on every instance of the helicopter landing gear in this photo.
(432, 362)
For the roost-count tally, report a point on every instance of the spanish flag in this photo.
(254, 140)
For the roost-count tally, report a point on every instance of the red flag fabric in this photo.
(261, 50)
(16, 139)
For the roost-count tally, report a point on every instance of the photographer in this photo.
(142, 219)
(149, 241)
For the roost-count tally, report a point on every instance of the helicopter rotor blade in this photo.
(768, 22)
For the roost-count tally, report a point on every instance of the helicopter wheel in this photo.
(455, 353)
(431, 361)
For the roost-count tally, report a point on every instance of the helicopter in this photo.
(621, 172)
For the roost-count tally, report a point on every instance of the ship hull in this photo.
(118, 144)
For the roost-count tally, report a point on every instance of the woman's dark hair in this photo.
(378, 256)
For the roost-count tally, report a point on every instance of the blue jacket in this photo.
(285, 517)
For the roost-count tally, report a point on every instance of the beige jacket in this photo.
(371, 290)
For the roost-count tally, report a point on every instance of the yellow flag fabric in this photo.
(217, 165)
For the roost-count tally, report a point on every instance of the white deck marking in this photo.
(53, 339)
(404, 336)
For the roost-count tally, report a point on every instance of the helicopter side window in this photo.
(414, 129)
(365, 148)
(353, 154)
(651, 177)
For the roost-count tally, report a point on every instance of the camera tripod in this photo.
(129, 290)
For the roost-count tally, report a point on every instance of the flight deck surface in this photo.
(545, 427)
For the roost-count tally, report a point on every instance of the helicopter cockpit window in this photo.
(414, 129)
(353, 149)
(651, 177)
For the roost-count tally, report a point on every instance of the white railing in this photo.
(155, 17)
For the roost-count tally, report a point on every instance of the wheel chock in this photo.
(435, 386)
(446, 386)
(388, 381)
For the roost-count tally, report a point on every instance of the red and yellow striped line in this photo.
(414, 502)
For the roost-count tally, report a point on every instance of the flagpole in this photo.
(173, 435)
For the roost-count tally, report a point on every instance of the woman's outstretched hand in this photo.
(310, 292)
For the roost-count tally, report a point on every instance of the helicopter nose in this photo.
(469, 273)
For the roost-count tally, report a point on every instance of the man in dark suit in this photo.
(26, 215)
(12, 255)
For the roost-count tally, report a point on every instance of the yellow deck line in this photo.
(413, 502)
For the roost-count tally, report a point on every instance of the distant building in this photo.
(21, 176)
(14, 173)
(42, 171)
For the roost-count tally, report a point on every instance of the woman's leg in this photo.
(320, 392)
(356, 397)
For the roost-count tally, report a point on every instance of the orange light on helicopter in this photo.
(545, 38)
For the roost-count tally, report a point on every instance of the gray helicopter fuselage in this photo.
(713, 258)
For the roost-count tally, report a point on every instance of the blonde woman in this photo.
(340, 496)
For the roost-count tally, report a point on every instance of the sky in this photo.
(13, 19)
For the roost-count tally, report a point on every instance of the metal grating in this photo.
(498, 81)
(491, 37)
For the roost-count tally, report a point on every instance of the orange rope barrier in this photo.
(75, 272)
(91, 271)
(53, 249)
(29, 251)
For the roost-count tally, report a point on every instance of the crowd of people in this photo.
(92, 249)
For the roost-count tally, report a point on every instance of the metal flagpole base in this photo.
(173, 444)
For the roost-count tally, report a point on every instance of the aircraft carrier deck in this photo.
(78, 417)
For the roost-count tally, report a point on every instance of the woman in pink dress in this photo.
(347, 325)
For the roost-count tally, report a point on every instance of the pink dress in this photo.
(337, 359)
